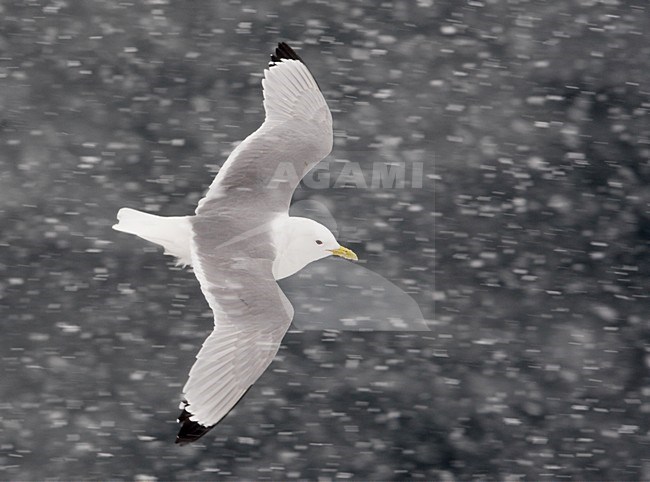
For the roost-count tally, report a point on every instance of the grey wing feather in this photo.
(296, 134)
(251, 316)
(232, 248)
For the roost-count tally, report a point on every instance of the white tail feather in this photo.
(172, 233)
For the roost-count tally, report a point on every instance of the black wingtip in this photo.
(283, 51)
(190, 431)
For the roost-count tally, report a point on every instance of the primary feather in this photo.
(251, 313)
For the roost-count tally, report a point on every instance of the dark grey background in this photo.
(531, 119)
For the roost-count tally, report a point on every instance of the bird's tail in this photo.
(172, 233)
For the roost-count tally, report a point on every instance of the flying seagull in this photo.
(242, 239)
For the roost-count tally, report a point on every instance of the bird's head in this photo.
(307, 241)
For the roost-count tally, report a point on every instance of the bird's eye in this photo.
(318, 241)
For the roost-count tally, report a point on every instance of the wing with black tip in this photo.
(267, 166)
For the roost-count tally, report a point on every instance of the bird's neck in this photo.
(286, 262)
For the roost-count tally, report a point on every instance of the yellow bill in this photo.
(344, 253)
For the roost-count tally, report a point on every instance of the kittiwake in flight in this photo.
(242, 239)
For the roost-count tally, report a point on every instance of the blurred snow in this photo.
(531, 121)
(335, 295)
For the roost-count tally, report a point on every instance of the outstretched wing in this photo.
(232, 247)
(251, 315)
(266, 167)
